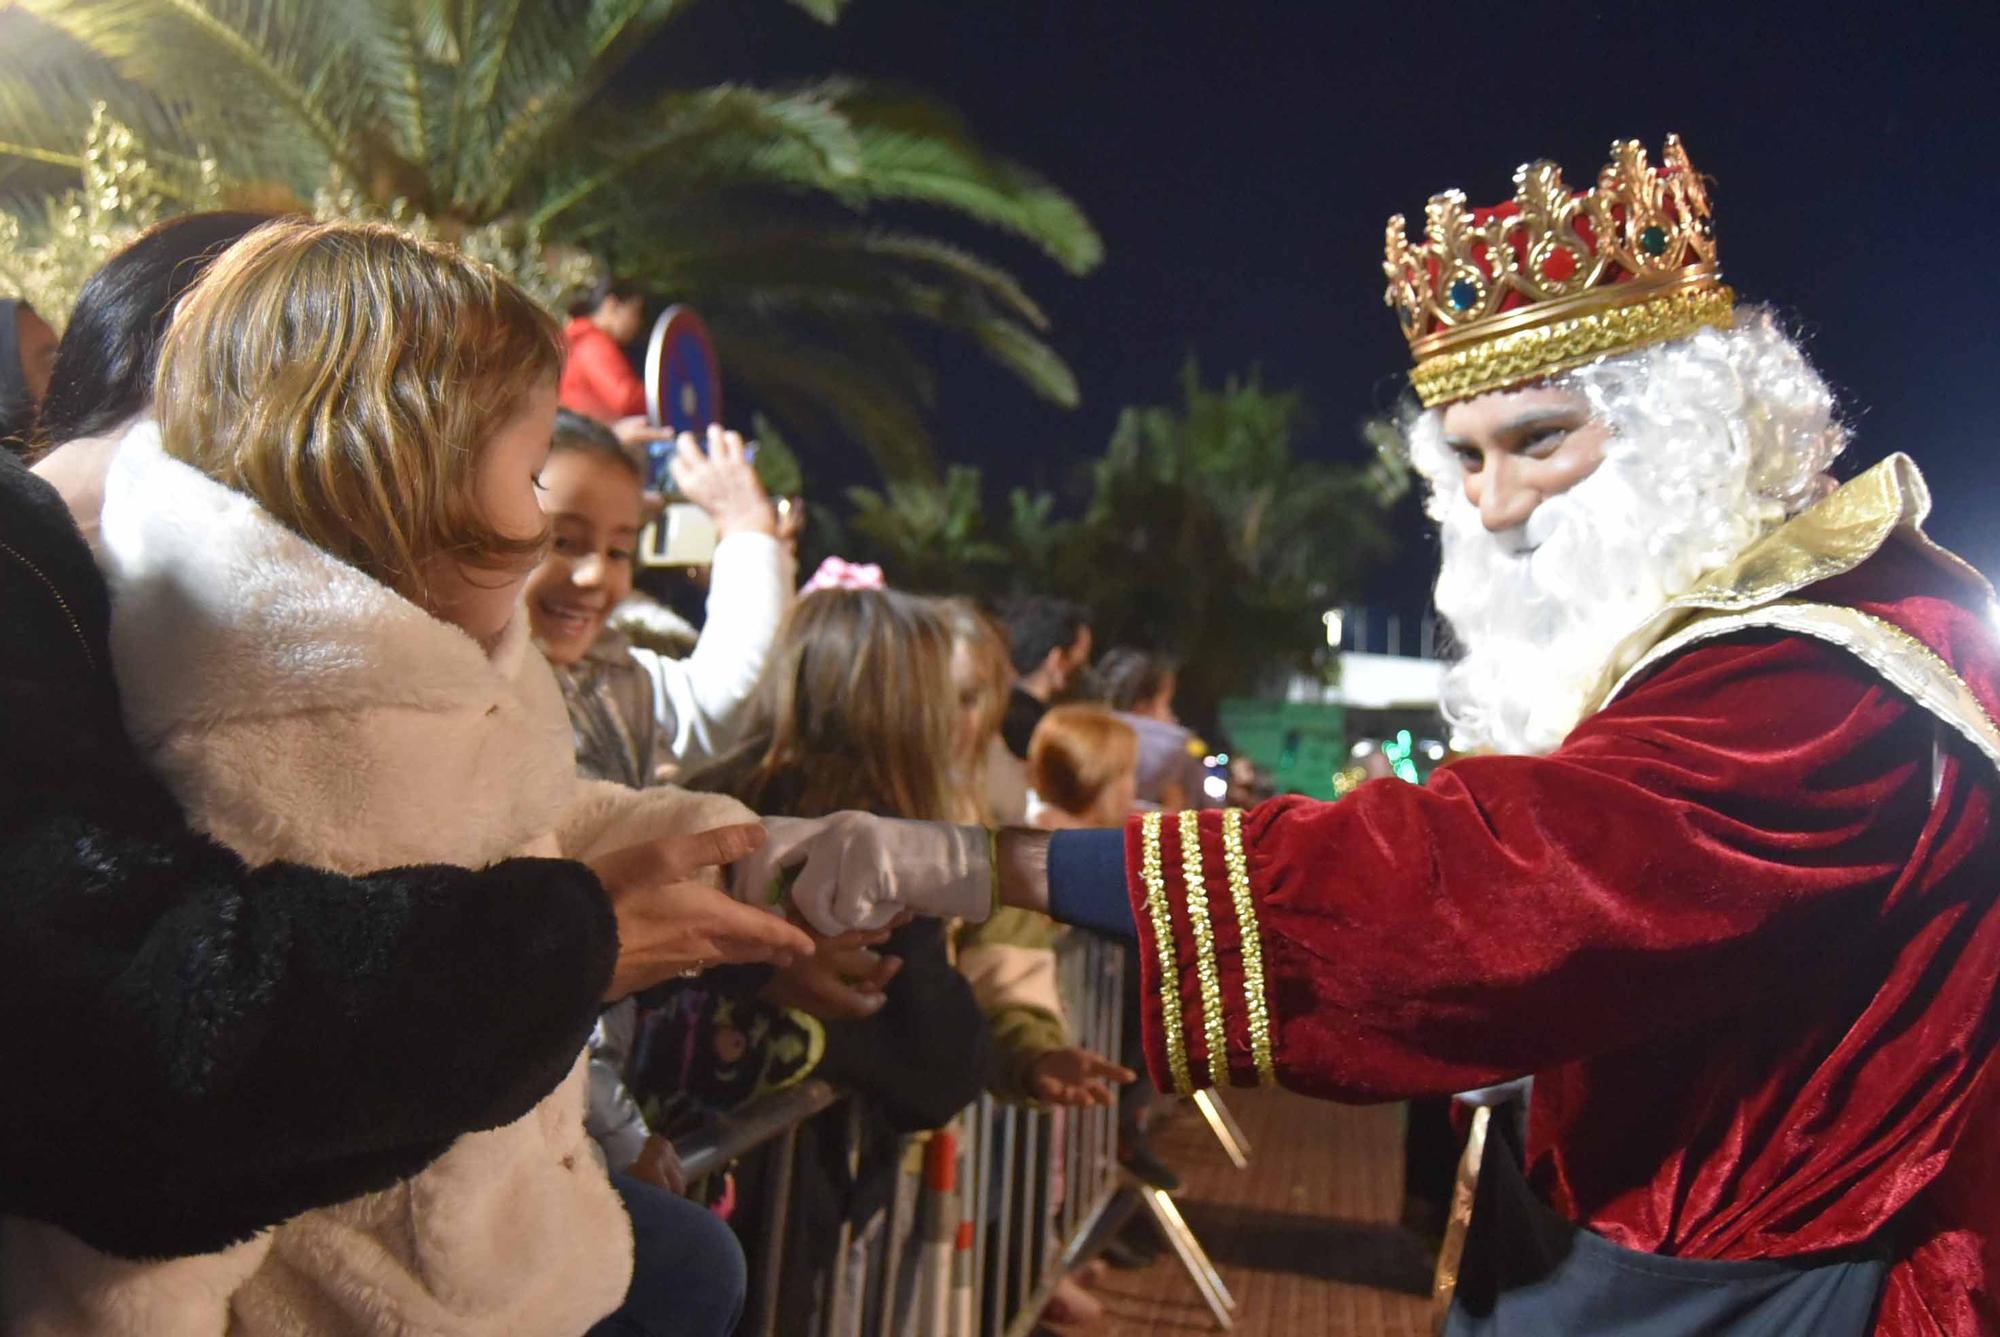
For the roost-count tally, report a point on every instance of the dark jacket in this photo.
(193, 1049)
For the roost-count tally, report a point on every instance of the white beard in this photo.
(1539, 610)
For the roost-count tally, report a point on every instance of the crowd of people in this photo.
(313, 630)
(382, 901)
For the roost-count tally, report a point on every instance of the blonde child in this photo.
(1010, 958)
(315, 561)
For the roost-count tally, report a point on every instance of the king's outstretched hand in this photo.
(856, 871)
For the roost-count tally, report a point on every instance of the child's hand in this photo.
(1074, 1077)
(721, 481)
(835, 985)
(659, 1164)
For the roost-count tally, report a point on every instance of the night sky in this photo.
(1241, 159)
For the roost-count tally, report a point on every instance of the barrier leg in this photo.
(1027, 1271)
(1188, 1249)
(1001, 1231)
(835, 1307)
(777, 1220)
(1223, 1124)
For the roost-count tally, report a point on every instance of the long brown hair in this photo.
(854, 711)
(979, 693)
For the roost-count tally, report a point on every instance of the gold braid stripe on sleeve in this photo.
(1204, 947)
(1253, 946)
(1163, 945)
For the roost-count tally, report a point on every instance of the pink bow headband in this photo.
(836, 573)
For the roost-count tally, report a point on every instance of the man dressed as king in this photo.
(1722, 875)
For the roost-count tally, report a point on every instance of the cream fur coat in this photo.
(303, 711)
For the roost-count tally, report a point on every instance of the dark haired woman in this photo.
(103, 374)
(26, 345)
(598, 381)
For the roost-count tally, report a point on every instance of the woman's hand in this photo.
(669, 924)
(1075, 1077)
(722, 482)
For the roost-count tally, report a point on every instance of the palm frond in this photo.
(47, 157)
(913, 150)
(557, 57)
(50, 85)
(955, 262)
(266, 65)
(485, 33)
(784, 214)
(789, 263)
(436, 24)
(1033, 362)
(814, 386)
(403, 42)
(826, 11)
(684, 142)
(799, 280)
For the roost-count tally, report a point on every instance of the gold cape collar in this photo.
(1834, 536)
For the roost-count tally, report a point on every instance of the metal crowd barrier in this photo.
(990, 1212)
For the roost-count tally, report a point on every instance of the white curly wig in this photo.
(1715, 440)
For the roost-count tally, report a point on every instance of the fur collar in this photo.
(240, 618)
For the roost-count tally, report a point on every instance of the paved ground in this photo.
(1305, 1238)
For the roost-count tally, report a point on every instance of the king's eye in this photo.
(1543, 440)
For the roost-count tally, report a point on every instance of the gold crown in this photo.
(1555, 278)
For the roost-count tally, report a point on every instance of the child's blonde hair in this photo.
(345, 376)
(854, 711)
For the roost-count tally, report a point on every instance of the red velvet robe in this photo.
(1751, 964)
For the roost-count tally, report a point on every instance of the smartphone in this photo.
(659, 454)
(658, 477)
(682, 536)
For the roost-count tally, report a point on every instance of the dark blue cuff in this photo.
(1087, 881)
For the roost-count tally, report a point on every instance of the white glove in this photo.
(856, 871)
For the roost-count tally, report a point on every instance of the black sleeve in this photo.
(927, 1054)
(191, 1049)
(196, 1049)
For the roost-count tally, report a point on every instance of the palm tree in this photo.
(779, 212)
(1243, 540)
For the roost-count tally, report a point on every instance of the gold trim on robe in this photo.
(1887, 504)
(1160, 915)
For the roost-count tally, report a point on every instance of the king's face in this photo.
(1518, 448)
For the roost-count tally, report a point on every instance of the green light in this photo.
(1398, 750)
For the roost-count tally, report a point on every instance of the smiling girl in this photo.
(635, 713)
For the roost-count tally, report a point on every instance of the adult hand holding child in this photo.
(670, 923)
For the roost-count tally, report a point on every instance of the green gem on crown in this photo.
(1653, 240)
